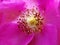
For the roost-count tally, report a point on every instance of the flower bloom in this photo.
(21, 22)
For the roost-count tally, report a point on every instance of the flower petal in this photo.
(48, 37)
(11, 35)
(59, 25)
(10, 11)
(59, 7)
(52, 14)
(42, 4)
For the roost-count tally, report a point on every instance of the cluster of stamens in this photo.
(32, 20)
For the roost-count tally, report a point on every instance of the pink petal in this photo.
(11, 35)
(48, 37)
(10, 11)
(42, 4)
(51, 14)
(59, 7)
(59, 25)
(58, 36)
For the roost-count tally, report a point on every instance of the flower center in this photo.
(32, 20)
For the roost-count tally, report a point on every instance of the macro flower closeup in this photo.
(29, 22)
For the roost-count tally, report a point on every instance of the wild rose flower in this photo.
(24, 30)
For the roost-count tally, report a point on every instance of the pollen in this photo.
(32, 20)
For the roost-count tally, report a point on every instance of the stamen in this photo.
(31, 20)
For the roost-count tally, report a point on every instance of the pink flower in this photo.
(11, 34)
